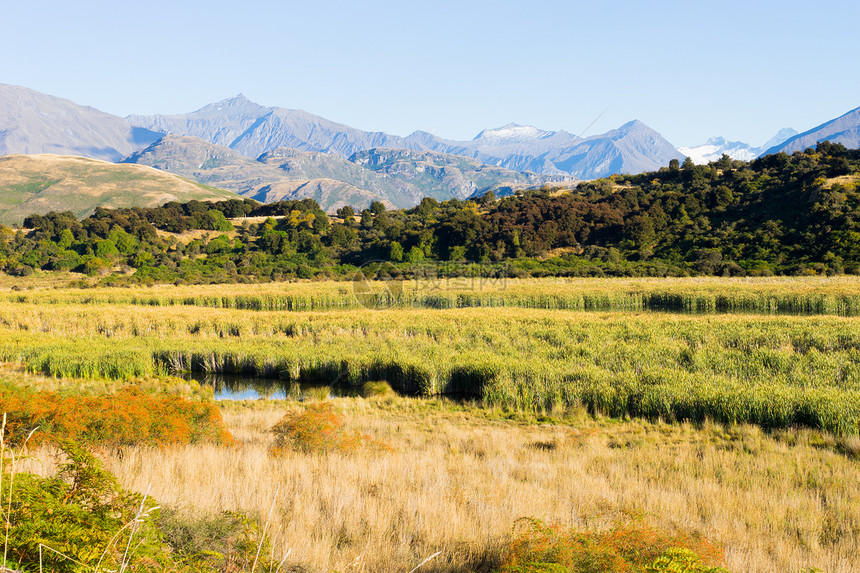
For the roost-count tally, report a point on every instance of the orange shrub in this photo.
(626, 548)
(318, 428)
(128, 417)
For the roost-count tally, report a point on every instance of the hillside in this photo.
(443, 176)
(43, 183)
(33, 123)
(397, 178)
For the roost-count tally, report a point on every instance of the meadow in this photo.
(729, 408)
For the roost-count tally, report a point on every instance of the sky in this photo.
(690, 70)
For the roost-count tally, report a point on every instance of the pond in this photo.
(230, 387)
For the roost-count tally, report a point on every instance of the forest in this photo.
(777, 215)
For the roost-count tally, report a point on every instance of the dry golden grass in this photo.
(42, 183)
(459, 477)
(844, 180)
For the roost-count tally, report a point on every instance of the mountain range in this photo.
(273, 153)
(252, 129)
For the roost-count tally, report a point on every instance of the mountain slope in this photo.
(37, 184)
(280, 174)
(844, 129)
(33, 122)
(632, 148)
(440, 175)
(398, 178)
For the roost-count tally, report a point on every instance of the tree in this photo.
(395, 252)
(415, 255)
(346, 212)
(66, 239)
(105, 249)
(427, 206)
(488, 198)
(674, 165)
(688, 164)
(377, 207)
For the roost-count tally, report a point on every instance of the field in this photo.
(726, 408)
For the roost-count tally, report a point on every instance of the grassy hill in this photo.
(41, 183)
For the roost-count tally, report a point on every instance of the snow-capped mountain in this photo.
(715, 147)
(513, 132)
(781, 137)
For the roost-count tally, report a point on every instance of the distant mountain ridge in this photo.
(715, 147)
(845, 129)
(32, 122)
(252, 130)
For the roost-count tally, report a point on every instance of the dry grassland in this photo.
(459, 477)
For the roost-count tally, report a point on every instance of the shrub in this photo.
(81, 520)
(318, 428)
(377, 389)
(627, 548)
(227, 541)
(128, 417)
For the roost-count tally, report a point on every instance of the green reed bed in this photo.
(774, 371)
(838, 296)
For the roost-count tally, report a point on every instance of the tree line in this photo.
(779, 214)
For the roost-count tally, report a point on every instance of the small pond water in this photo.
(229, 387)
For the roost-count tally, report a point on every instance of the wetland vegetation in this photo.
(726, 434)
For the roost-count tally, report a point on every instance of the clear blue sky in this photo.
(688, 69)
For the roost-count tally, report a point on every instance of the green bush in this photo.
(81, 520)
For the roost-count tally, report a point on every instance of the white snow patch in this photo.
(512, 132)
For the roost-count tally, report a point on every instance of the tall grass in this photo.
(795, 296)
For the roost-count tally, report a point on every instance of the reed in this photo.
(838, 296)
(773, 371)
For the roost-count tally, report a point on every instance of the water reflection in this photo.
(228, 387)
